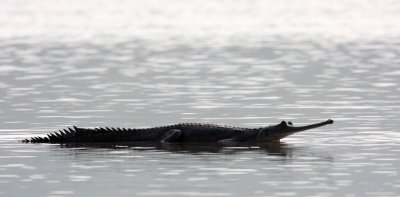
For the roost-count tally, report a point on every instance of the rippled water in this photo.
(241, 63)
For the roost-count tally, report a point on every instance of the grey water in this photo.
(240, 63)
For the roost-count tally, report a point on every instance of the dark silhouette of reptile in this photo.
(184, 132)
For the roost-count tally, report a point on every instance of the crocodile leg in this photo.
(171, 136)
(228, 141)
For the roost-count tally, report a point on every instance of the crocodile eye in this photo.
(283, 124)
(290, 123)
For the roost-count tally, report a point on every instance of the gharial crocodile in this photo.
(184, 132)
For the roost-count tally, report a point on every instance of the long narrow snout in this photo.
(307, 127)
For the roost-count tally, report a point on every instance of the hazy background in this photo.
(242, 63)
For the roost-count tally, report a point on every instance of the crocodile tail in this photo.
(36, 140)
(56, 137)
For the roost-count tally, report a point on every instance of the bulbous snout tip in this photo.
(329, 121)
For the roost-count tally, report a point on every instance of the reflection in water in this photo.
(279, 149)
(155, 169)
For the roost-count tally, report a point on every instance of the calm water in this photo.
(241, 63)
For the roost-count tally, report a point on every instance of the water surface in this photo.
(152, 63)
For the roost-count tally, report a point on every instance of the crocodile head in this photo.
(284, 129)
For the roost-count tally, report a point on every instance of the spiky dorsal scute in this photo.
(56, 137)
(207, 125)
